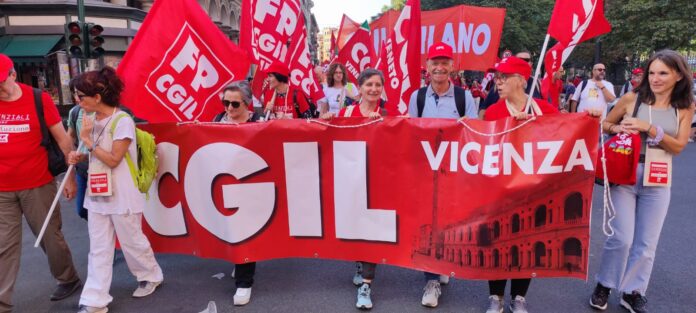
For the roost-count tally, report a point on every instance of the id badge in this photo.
(99, 180)
(658, 168)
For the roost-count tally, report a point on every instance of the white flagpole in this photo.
(536, 73)
(55, 202)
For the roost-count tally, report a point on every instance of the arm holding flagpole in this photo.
(536, 73)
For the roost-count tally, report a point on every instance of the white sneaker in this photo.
(518, 305)
(496, 304)
(145, 288)
(92, 309)
(242, 296)
(431, 293)
(444, 279)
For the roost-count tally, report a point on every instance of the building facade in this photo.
(324, 43)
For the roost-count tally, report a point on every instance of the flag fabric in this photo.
(334, 47)
(575, 21)
(275, 32)
(177, 75)
(346, 30)
(400, 59)
(357, 54)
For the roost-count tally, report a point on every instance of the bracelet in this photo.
(654, 141)
(91, 149)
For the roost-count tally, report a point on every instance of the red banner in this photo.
(425, 194)
(177, 75)
(356, 54)
(275, 32)
(473, 32)
(346, 30)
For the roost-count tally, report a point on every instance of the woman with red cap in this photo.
(511, 78)
(281, 99)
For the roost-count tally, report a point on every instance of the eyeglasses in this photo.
(235, 104)
(501, 77)
(78, 96)
(600, 69)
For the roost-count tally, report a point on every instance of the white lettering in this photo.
(546, 166)
(166, 221)
(302, 183)
(579, 156)
(434, 160)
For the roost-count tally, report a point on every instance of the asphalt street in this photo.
(308, 285)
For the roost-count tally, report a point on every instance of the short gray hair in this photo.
(367, 74)
(241, 86)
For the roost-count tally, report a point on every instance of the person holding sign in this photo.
(338, 92)
(114, 204)
(281, 99)
(661, 110)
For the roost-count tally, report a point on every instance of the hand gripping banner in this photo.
(426, 194)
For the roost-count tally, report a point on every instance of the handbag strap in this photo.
(45, 141)
(636, 106)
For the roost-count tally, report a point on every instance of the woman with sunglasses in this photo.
(114, 204)
(236, 100)
(338, 92)
(511, 78)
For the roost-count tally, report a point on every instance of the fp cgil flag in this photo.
(400, 59)
(574, 21)
(274, 31)
(357, 54)
(177, 74)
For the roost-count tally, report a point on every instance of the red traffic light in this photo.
(96, 30)
(74, 28)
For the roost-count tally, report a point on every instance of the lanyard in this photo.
(96, 141)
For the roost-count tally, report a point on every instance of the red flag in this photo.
(554, 58)
(334, 51)
(346, 30)
(177, 75)
(400, 59)
(357, 54)
(275, 32)
(574, 21)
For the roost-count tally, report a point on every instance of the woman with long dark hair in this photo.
(338, 92)
(660, 109)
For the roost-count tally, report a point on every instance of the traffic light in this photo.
(95, 40)
(73, 32)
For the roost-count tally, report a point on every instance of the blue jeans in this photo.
(628, 256)
(80, 197)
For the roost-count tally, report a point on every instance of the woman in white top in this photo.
(338, 91)
(114, 204)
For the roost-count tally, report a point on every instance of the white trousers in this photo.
(103, 230)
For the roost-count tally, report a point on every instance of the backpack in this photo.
(459, 100)
(145, 173)
(582, 85)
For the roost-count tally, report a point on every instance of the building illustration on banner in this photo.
(530, 234)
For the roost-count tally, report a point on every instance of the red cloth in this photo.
(280, 103)
(356, 111)
(622, 154)
(23, 161)
(552, 90)
(567, 15)
(499, 111)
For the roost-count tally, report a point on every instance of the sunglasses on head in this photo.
(235, 104)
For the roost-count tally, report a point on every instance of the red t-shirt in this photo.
(287, 107)
(499, 111)
(552, 90)
(23, 161)
(354, 111)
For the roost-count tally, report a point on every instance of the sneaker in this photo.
(634, 302)
(242, 296)
(357, 278)
(431, 293)
(145, 288)
(518, 305)
(92, 309)
(444, 279)
(600, 297)
(496, 305)
(364, 301)
(65, 290)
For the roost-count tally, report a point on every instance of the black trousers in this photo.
(244, 274)
(518, 287)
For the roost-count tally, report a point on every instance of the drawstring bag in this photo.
(622, 153)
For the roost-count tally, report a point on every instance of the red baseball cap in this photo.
(514, 65)
(278, 68)
(440, 50)
(637, 71)
(6, 65)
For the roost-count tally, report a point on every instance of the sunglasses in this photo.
(235, 104)
(503, 77)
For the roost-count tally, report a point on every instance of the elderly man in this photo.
(594, 93)
(27, 187)
(636, 78)
(440, 99)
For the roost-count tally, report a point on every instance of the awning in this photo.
(28, 46)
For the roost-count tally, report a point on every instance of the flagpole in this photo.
(536, 73)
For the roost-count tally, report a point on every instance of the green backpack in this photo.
(146, 172)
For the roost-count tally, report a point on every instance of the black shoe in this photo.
(600, 297)
(634, 302)
(65, 290)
